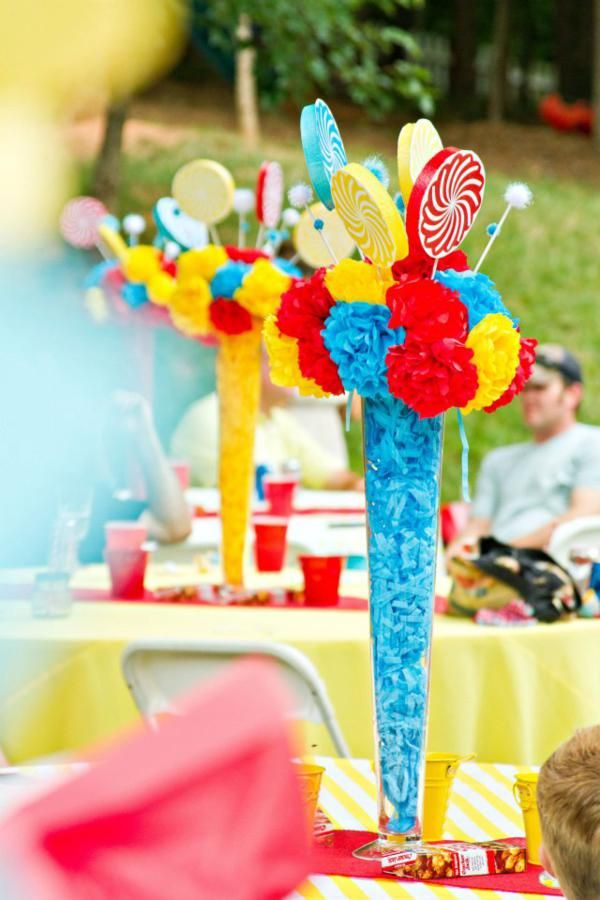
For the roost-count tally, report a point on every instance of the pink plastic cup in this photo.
(125, 535)
(321, 579)
(127, 572)
(279, 493)
(181, 468)
(270, 542)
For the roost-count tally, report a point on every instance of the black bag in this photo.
(532, 574)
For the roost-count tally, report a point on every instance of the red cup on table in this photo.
(279, 493)
(270, 542)
(321, 579)
(181, 468)
(126, 558)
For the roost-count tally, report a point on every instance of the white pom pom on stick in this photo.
(300, 195)
(378, 168)
(518, 196)
(290, 217)
(134, 225)
(243, 203)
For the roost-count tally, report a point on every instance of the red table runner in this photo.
(332, 855)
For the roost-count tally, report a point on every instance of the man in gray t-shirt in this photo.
(525, 490)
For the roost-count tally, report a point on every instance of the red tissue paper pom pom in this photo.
(431, 378)
(428, 310)
(316, 363)
(249, 255)
(305, 306)
(229, 316)
(418, 265)
(524, 370)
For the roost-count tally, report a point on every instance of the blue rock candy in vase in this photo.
(402, 470)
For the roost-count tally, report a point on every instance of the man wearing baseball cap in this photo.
(525, 490)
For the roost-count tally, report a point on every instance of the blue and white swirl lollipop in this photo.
(323, 148)
(175, 225)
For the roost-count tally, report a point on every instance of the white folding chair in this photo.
(582, 532)
(158, 672)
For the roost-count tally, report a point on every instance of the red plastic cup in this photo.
(125, 535)
(279, 493)
(321, 579)
(181, 468)
(270, 542)
(127, 571)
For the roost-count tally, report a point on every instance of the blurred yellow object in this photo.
(161, 288)
(141, 263)
(310, 785)
(238, 387)
(309, 242)
(204, 190)
(525, 791)
(440, 769)
(80, 53)
(112, 243)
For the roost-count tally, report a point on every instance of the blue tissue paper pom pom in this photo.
(477, 292)
(228, 278)
(357, 337)
(284, 265)
(134, 294)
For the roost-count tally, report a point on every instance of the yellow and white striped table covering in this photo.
(481, 807)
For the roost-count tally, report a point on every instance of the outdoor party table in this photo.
(481, 807)
(509, 695)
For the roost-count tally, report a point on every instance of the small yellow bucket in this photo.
(525, 792)
(310, 785)
(440, 769)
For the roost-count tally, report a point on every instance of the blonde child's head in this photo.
(568, 796)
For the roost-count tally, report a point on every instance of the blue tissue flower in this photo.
(134, 294)
(284, 265)
(228, 278)
(357, 337)
(477, 292)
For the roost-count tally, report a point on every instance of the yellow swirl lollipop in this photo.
(369, 214)
(308, 241)
(204, 190)
(418, 142)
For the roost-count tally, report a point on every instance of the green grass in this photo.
(546, 263)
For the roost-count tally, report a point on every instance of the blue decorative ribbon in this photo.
(464, 459)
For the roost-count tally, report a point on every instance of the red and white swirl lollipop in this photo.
(269, 197)
(79, 221)
(445, 200)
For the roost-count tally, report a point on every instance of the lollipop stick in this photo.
(322, 236)
(214, 235)
(261, 234)
(295, 258)
(434, 270)
(242, 231)
(493, 237)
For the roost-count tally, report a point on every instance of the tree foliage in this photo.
(348, 48)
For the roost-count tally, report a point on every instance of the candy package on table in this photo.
(454, 859)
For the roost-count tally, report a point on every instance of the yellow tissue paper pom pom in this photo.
(200, 263)
(141, 263)
(495, 345)
(161, 288)
(283, 360)
(261, 290)
(189, 306)
(353, 280)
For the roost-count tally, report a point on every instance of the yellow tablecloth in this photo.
(509, 695)
(481, 808)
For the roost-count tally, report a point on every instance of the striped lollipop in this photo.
(323, 148)
(80, 219)
(444, 201)
(269, 194)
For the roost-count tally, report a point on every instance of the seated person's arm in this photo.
(585, 501)
(476, 528)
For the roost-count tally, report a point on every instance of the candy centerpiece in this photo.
(415, 332)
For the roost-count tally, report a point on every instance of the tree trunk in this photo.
(464, 47)
(245, 85)
(574, 50)
(499, 61)
(108, 165)
(596, 75)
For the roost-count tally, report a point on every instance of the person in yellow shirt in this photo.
(279, 439)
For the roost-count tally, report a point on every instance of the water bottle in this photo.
(52, 593)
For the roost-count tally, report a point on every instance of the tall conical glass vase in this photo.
(402, 474)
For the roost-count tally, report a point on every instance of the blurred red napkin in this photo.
(207, 807)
